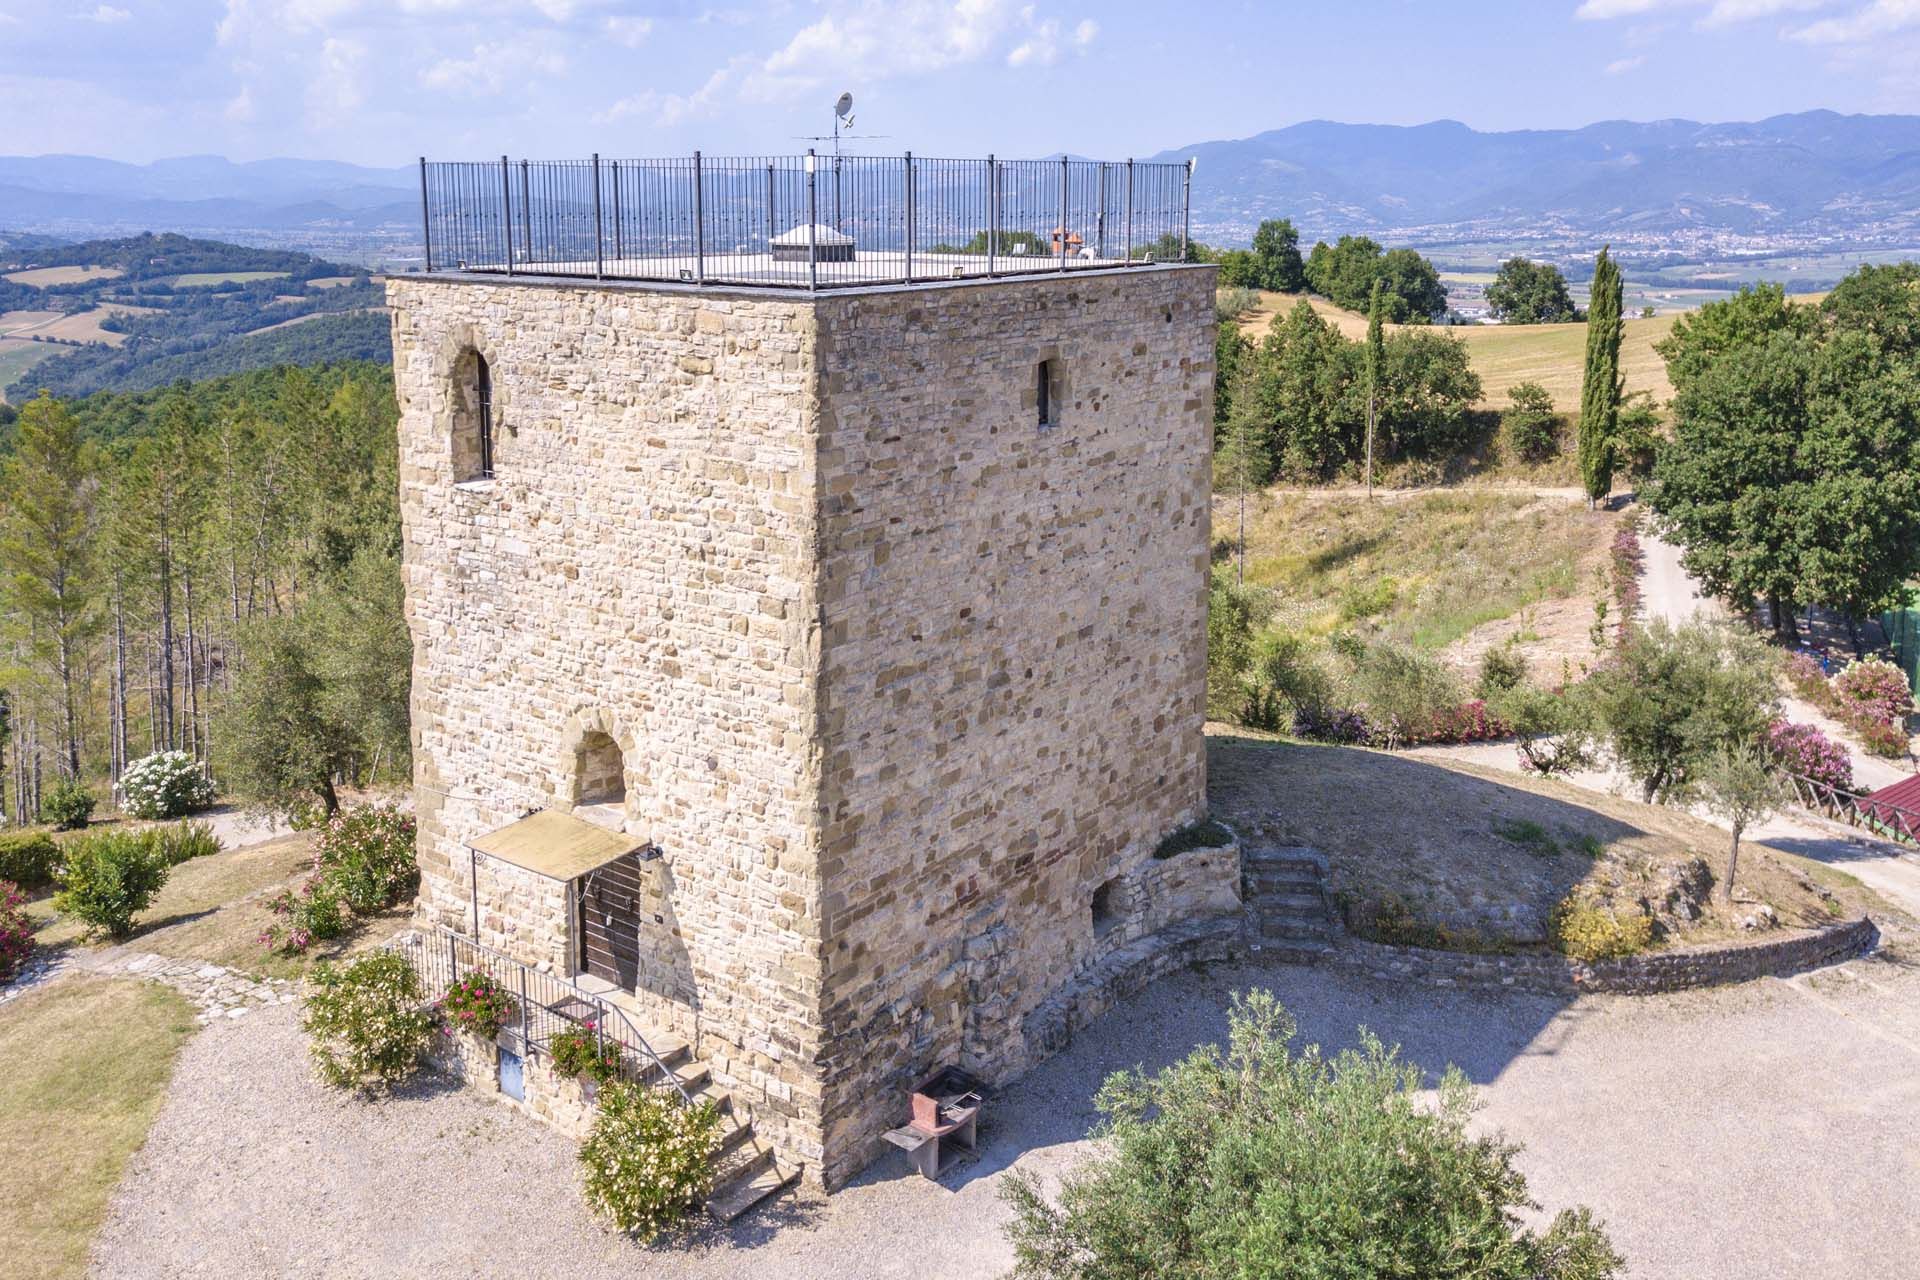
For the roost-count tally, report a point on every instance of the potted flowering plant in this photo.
(476, 1002)
(578, 1052)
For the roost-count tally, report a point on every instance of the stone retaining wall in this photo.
(554, 1100)
(1636, 975)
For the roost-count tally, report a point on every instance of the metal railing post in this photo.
(619, 230)
(993, 212)
(426, 217)
(526, 213)
(699, 226)
(1129, 209)
(1063, 213)
(813, 224)
(526, 1040)
(906, 276)
(453, 959)
(506, 210)
(770, 232)
(599, 262)
(1186, 209)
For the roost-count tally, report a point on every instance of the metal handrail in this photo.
(439, 964)
(1895, 822)
(758, 220)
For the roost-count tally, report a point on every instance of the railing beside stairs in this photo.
(1882, 818)
(548, 1004)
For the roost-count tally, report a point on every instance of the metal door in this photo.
(609, 924)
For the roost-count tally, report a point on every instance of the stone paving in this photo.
(218, 992)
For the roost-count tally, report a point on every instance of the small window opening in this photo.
(599, 771)
(472, 418)
(1043, 392)
(1106, 909)
(484, 396)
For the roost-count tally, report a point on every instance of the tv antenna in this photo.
(842, 126)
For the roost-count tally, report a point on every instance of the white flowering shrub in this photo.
(366, 1023)
(165, 784)
(648, 1158)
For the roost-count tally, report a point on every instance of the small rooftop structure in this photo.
(806, 221)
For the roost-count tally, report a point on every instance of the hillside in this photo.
(1506, 355)
(141, 311)
(1816, 172)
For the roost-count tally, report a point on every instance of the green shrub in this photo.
(1530, 836)
(1368, 599)
(109, 878)
(1282, 679)
(364, 1021)
(1195, 835)
(475, 1001)
(368, 853)
(165, 784)
(1533, 432)
(578, 1051)
(1502, 668)
(1404, 691)
(68, 805)
(312, 914)
(648, 1158)
(183, 842)
(16, 931)
(1263, 1161)
(1587, 931)
(29, 858)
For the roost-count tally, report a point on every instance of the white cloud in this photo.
(1881, 18)
(240, 108)
(1620, 66)
(1719, 13)
(106, 15)
(490, 69)
(631, 32)
(338, 89)
(1086, 32)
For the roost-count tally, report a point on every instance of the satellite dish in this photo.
(844, 106)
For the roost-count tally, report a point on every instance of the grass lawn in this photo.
(1423, 569)
(193, 278)
(83, 1068)
(215, 908)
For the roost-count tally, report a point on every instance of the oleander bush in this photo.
(16, 931)
(1267, 1160)
(109, 878)
(648, 1158)
(475, 1001)
(1587, 931)
(369, 853)
(1804, 750)
(1872, 698)
(30, 859)
(183, 841)
(312, 913)
(68, 805)
(364, 1021)
(165, 784)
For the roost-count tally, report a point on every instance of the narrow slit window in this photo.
(484, 397)
(1043, 392)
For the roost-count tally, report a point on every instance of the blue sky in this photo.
(381, 82)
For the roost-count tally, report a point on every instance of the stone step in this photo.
(1296, 930)
(693, 1076)
(1280, 903)
(754, 1181)
(1290, 858)
(721, 1099)
(1292, 952)
(1273, 879)
(735, 1136)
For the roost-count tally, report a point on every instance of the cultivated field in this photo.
(1506, 355)
(41, 277)
(311, 315)
(17, 356)
(331, 282)
(196, 278)
(83, 326)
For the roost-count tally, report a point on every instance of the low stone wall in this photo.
(554, 1100)
(1636, 975)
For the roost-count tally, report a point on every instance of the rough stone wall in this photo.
(1013, 628)
(641, 566)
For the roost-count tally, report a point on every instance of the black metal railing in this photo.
(545, 1004)
(804, 221)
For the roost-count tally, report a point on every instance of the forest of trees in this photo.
(211, 568)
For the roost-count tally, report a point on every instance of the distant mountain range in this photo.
(1813, 176)
(1809, 174)
(203, 192)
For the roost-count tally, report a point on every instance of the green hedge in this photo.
(28, 858)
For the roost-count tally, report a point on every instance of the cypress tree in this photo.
(1600, 388)
(1376, 365)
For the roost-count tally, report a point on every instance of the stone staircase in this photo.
(747, 1172)
(1284, 891)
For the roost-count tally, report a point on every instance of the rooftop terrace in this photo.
(801, 222)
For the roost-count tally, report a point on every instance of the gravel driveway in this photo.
(1768, 1130)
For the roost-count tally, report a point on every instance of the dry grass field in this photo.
(41, 277)
(83, 326)
(1507, 355)
(18, 355)
(331, 282)
(197, 278)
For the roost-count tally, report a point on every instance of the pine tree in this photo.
(1600, 388)
(1376, 366)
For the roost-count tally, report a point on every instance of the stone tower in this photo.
(878, 614)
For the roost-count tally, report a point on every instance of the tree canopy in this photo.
(1344, 272)
(1600, 380)
(1528, 292)
(1276, 257)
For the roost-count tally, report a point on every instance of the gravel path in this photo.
(1764, 1130)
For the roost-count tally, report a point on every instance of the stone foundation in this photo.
(557, 1101)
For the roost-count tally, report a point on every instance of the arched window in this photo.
(599, 771)
(472, 418)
